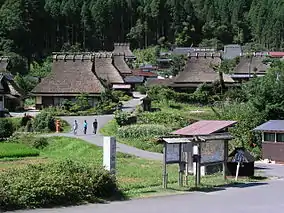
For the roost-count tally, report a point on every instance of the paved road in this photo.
(102, 120)
(252, 198)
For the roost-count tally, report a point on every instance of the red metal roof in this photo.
(204, 127)
(144, 73)
(276, 54)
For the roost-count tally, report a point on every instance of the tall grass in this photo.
(12, 150)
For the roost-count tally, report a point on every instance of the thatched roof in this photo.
(199, 69)
(123, 48)
(105, 69)
(120, 64)
(9, 86)
(3, 63)
(71, 74)
(251, 64)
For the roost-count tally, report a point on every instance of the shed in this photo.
(211, 136)
(272, 140)
(247, 166)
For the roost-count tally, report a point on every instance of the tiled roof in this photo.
(71, 74)
(144, 73)
(134, 79)
(272, 125)
(204, 127)
(232, 51)
(276, 54)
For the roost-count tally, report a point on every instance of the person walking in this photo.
(95, 126)
(85, 127)
(75, 127)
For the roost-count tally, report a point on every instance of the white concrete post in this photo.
(109, 160)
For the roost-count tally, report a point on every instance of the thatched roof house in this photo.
(200, 69)
(120, 64)
(249, 66)
(71, 75)
(105, 69)
(124, 48)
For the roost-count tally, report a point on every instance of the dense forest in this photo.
(35, 28)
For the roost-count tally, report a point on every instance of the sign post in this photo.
(109, 161)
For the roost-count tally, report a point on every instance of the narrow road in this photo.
(251, 198)
(103, 120)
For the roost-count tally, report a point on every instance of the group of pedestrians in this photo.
(85, 127)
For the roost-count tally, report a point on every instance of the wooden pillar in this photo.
(225, 159)
(165, 175)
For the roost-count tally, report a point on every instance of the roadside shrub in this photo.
(44, 122)
(141, 89)
(29, 139)
(120, 95)
(16, 122)
(172, 119)
(143, 131)
(124, 118)
(106, 107)
(12, 150)
(6, 128)
(58, 183)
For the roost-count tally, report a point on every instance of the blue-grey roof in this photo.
(232, 51)
(134, 79)
(272, 125)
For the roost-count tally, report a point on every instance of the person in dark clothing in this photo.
(85, 127)
(95, 126)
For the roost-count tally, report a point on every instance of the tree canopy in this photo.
(34, 28)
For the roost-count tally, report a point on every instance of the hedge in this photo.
(143, 131)
(55, 184)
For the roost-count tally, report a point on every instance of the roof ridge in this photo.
(56, 56)
(103, 54)
(204, 55)
(122, 44)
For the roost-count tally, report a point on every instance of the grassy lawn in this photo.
(136, 177)
(16, 150)
(179, 110)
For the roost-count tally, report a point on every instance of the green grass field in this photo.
(12, 150)
(136, 177)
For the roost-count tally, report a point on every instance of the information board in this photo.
(172, 154)
(212, 151)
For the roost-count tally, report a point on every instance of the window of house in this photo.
(280, 137)
(269, 137)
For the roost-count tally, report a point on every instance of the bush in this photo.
(11, 150)
(106, 107)
(143, 131)
(124, 118)
(29, 139)
(58, 183)
(120, 95)
(44, 122)
(6, 128)
(172, 119)
(141, 89)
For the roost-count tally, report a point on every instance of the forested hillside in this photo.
(34, 28)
